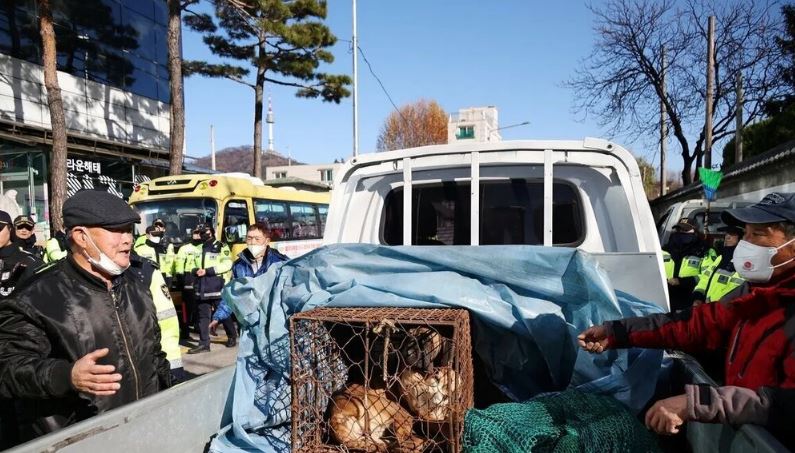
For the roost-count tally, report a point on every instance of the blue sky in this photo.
(512, 54)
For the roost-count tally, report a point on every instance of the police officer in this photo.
(154, 249)
(16, 265)
(146, 270)
(25, 238)
(682, 260)
(188, 254)
(56, 247)
(720, 277)
(158, 225)
(211, 270)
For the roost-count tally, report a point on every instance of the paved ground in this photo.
(219, 356)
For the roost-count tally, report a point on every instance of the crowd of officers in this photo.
(88, 322)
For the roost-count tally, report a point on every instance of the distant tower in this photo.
(269, 120)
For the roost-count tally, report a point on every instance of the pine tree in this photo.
(283, 41)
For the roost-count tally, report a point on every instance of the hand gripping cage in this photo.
(380, 379)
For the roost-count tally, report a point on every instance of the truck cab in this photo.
(585, 194)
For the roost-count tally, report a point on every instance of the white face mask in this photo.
(155, 239)
(104, 264)
(256, 249)
(754, 262)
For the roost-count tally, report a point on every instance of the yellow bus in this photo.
(230, 202)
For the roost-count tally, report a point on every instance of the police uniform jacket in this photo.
(59, 316)
(16, 266)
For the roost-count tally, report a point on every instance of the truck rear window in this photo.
(511, 212)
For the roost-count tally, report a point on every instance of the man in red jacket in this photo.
(757, 329)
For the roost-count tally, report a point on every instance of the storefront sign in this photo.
(83, 166)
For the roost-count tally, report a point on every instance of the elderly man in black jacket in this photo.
(81, 337)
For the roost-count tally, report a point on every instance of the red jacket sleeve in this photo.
(700, 328)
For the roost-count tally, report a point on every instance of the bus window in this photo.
(235, 221)
(274, 215)
(304, 221)
(322, 211)
(180, 215)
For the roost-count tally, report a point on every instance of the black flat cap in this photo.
(5, 219)
(95, 208)
(775, 207)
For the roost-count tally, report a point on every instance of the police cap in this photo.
(95, 208)
(5, 219)
(24, 220)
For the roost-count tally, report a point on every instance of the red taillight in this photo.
(137, 188)
(213, 183)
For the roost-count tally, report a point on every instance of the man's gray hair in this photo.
(787, 227)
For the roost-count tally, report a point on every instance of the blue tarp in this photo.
(527, 305)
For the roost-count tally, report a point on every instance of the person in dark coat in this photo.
(25, 237)
(81, 337)
(254, 261)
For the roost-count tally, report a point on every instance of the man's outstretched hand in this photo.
(668, 415)
(89, 377)
(594, 339)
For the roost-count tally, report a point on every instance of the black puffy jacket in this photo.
(59, 316)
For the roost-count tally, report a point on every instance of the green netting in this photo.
(570, 421)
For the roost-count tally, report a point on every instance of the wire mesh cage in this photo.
(380, 379)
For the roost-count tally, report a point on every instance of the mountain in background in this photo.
(241, 159)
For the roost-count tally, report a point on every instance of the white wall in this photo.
(92, 109)
(307, 172)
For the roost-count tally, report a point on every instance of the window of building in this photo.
(327, 175)
(121, 44)
(511, 212)
(279, 174)
(465, 132)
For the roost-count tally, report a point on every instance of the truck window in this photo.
(512, 212)
(235, 221)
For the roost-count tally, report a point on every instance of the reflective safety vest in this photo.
(167, 319)
(217, 260)
(139, 241)
(668, 264)
(690, 267)
(722, 283)
(706, 274)
(53, 251)
(183, 262)
(165, 261)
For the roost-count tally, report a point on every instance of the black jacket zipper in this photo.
(733, 350)
(126, 343)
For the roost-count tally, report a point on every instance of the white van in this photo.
(586, 194)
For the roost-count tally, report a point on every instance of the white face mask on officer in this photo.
(754, 262)
(155, 239)
(104, 263)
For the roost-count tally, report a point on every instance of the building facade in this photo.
(474, 124)
(323, 173)
(112, 63)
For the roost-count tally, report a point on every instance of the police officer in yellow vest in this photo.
(55, 248)
(154, 249)
(212, 270)
(720, 278)
(146, 270)
(158, 225)
(188, 253)
(682, 260)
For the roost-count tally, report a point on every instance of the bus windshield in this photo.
(180, 215)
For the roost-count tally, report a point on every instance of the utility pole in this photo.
(355, 44)
(710, 89)
(738, 135)
(663, 129)
(212, 147)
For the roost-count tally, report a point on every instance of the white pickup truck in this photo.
(584, 194)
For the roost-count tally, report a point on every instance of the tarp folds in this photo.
(527, 305)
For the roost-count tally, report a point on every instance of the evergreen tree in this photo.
(284, 41)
